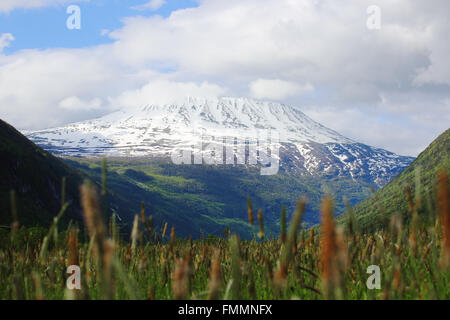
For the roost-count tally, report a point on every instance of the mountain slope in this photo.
(305, 147)
(36, 177)
(393, 199)
(211, 198)
(157, 129)
(191, 198)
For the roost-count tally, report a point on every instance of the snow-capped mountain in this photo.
(305, 146)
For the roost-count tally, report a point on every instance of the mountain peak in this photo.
(176, 122)
(305, 146)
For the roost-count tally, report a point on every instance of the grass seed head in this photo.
(215, 277)
(72, 244)
(180, 285)
(134, 233)
(444, 216)
(250, 210)
(261, 224)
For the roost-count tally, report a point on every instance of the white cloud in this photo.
(279, 49)
(165, 92)
(388, 131)
(33, 84)
(76, 104)
(9, 5)
(5, 40)
(276, 89)
(151, 5)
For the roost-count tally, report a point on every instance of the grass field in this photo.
(329, 262)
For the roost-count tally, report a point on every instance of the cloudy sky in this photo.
(387, 87)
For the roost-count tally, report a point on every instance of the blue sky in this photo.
(45, 27)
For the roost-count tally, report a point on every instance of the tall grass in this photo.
(329, 263)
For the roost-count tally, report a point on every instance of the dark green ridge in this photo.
(36, 176)
(373, 212)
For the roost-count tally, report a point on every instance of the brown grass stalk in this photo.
(215, 282)
(261, 224)
(250, 210)
(331, 254)
(444, 216)
(180, 284)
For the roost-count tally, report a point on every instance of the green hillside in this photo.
(36, 177)
(419, 178)
(193, 199)
(197, 199)
(204, 199)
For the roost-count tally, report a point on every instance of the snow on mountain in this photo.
(305, 145)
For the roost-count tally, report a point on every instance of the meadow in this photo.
(329, 261)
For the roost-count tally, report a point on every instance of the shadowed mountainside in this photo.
(36, 176)
(419, 177)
